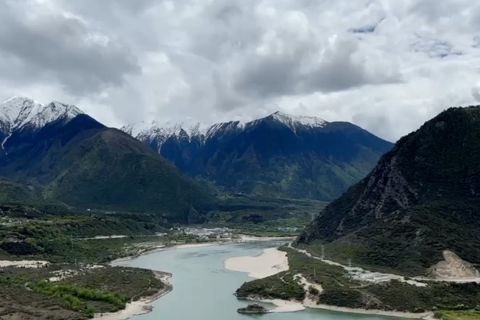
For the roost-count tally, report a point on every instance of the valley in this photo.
(393, 241)
(73, 249)
(77, 196)
(237, 160)
(202, 281)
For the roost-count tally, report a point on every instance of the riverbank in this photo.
(248, 238)
(294, 306)
(396, 314)
(269, 263)
(241, 239)
(267, 267)
(142, 305)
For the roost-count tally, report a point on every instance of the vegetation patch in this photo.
(339, 289)
(105, 289)
(458, 315)
(279, 286)
(264, 216)
(76, 298)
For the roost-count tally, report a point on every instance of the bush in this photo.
(75, 297)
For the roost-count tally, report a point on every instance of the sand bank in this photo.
(193, 245)
(247, 238)
(270, 262)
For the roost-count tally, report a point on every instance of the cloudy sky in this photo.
(385, 65)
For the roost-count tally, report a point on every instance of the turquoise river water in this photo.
(203, 289)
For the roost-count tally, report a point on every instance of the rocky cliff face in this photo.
(383, 192)
(422, 198)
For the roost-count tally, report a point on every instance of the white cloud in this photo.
(385, 65)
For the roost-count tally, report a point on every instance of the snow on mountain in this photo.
(290, 121)
(293, 122)
(224, 127)
(158, 132)
(53, 111)
(19, 112)
(16, 112)
(162, 131)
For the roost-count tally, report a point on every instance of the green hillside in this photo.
(84, 164)
(111, 170)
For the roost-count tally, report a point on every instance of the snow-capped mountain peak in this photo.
(162, 131)
(293, 121)
(53, 111)
(224, 127)
(18, 112)
(156, 133)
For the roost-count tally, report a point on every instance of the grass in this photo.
(76, 298)
(458, 315)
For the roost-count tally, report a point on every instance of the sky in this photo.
(387, 66)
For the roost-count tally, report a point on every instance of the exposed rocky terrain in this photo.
(422, 198)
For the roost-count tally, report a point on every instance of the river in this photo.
(203, 289)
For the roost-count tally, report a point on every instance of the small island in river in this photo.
(253, 309)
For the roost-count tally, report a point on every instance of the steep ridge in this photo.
(421, 199)
(279, 155)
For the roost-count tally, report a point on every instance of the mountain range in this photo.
(58, 153)
(277, 156)
(416, 212)
(418, 207)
